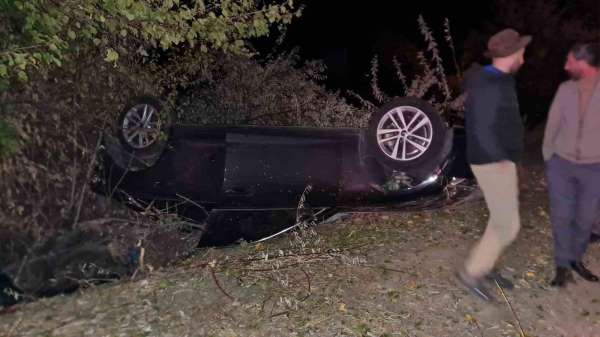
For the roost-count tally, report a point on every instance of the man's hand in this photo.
(505, 163)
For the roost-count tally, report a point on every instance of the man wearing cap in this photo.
(572, 153)
(494, 145)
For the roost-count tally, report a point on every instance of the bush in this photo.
(57, 120)
(67, 67)
(276, 91)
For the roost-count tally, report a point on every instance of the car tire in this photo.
(407, 135)
(144, 127)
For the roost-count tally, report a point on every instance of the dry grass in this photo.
(370, 275)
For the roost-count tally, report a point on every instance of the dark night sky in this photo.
(327, 21)
(347, 34)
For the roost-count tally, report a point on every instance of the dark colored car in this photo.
(407, 159)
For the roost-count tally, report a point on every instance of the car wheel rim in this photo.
(404, 133)
(141, 126)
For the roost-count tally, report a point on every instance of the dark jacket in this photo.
(492, 119)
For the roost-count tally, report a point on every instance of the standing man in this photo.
(572, 153)
(494, 146)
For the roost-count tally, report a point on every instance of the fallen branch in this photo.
(331, 253)
(88, 177)
(193, 203)
(14, 327)
(91, 282)
(214, 277)
(521, 332)
(308, 282)
(384, 268)
(100, 222)
(270, 269)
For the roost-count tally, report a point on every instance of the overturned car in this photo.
(407, 158)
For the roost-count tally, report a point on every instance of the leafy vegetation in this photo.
(37, 36)
(41, 33)
(66, 67)
(429, 80)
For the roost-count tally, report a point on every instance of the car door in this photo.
(191, 167)
(272, 169)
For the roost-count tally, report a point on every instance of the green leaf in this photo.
(19, 59)
(57, 61)
(111, 55)
(21, 75)
(129, 15)
(165, 24)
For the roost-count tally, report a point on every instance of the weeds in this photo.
(429, 83)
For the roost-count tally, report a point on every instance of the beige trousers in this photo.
(499, 184)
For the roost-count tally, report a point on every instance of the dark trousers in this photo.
(574, 191)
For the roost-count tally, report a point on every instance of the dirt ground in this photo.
(366, 275)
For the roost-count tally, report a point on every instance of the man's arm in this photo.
(552, 126)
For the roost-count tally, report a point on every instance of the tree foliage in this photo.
(66, 68)
(37, 36)
(41, 33)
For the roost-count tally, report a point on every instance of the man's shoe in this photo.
(580, 269)
(503, 282)
(563, 276)
(475, 286)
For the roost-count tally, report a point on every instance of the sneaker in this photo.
(585, 273)
(475, 286)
